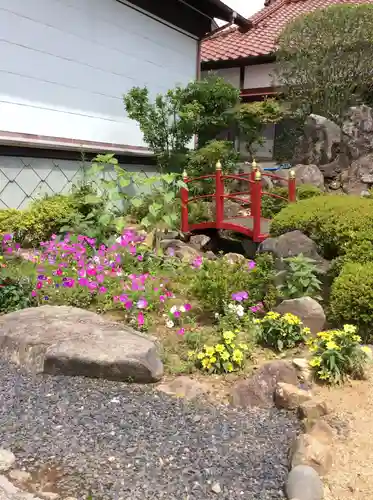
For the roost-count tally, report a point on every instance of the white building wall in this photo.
(65, 65)
(259, 75)
(231, 75)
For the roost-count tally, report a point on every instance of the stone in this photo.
(308, 450)
(313, 409)
(289, 396)
(216, 488)
(291, 244)
(181, 250)
(20, 476)
(200, 241)
(320, 430)
(357, 131)
(7, 460)
(234, 258)
(303, 369)
(320, 143)
(49, 495)
(10, 492)
(184, 387)
(62, 340)
(304, 483)
(258, 390)
(307, 309)
(359, 177)
(210, 255)
(309, 174)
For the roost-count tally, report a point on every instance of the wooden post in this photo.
(256, 202)
(292, 187)
(184, 206)
(254, 169)
(219, 193)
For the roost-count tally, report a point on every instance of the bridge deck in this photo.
(248, 223)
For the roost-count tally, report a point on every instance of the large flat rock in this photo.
(63, 340)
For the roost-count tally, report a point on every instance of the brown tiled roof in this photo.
(260, 40)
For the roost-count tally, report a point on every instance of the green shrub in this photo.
(300, 278)
(338, 354)
(351, 298)
(216, 281)
(272, 206)
(17, 281)
(42, 219)
(333, 222)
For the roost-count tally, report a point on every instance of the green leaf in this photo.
(145, 222)
(168, 178)
(92, 199)
(168, 197)
(136, 202)
(124, 182)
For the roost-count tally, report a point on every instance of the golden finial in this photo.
(185, 175)
(254, 165)
(292, 174)
(258, 175)
(218, 165)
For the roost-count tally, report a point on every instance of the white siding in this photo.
(231, 75)
(65, 64)
(260, 75)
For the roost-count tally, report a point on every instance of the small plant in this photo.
(281, 331)
(300, 278)
(337, 354)
(224, 357)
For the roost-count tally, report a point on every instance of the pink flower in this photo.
(140, 258)
(142, 303)
(177, 314)
(251, 264)
(162, 298)
(181, 331)
(187, 307)
(102, 289)
(34, 293)
(140, 318)
(128, 304)
(39, 285)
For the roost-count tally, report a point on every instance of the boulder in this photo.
(184, 387)
(200, 241)
(234, 258)
(304, 483)
(259, 389)
(313, 409)
(303, 369)
(289, 397)
(357, 131)
(181, 250)
(62, 340)
(7, 460)
(307, 309)
(309, 174)
(320, 430)
(320, 143)
(359, 177)
(308, 450)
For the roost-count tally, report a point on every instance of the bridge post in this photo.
(219, 193)
(256, 205)
(292, 190)
(184, 206)
(254, 169)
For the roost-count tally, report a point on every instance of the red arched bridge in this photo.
(254, 225)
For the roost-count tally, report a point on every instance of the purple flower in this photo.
(187, 307)
(171, 252)
(181, 331)
(251, 265)
(240, 296)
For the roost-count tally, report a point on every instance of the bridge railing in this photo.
(254, 180)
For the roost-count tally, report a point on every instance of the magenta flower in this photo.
(128, 304)
(140, 319)
(162, 298)
(140, 258)
(197, 262)
(181, 331)
(251, 265)
(102, 289)
(240, 296)
(177, 314)
(187, 307)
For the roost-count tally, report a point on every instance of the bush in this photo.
(16, 284)
(272, 206)
(335, 223)
(351, 298)
(42, 219)
(338, 354)
(300, 278)
(217, 280)
(281, 332)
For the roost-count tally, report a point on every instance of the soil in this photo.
(352, 417)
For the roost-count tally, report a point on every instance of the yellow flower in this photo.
(237, 356)
(224, 355)
(331, 345)
(291, 319)
(219, 348)
(228, 337)
(356, 338)
(316, 361)
(272, 315)
(209, 350)
(349, 329)
(366, 350)
(257, 321)
(306, 331)
(244, 347)
(229, 367)
(323, 375)
(212, 359)
(200, 355)
(205, 362)
(191, 354)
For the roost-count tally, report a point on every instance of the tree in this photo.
(325, 60)
(202, 108)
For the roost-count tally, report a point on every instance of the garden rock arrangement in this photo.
(342, 155)
(71, 341)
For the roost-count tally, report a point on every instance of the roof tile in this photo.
(268, 23)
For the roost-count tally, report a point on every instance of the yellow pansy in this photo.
(272, 315)
(237, 356)
(228, 337)
(205, 362)
(291, 319)
(212, 359)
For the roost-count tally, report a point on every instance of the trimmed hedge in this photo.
(272, 206)
(351, 298)
(336, 223)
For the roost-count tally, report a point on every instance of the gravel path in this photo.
(121, 442)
